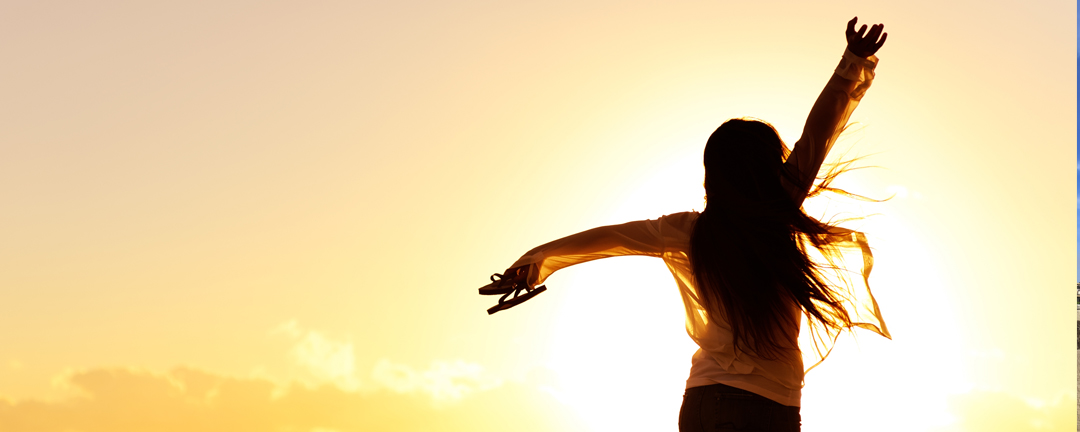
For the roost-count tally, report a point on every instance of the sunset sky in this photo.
(238, 215)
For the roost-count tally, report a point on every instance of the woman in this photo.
(743, 265)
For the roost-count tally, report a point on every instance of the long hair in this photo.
(748, 249)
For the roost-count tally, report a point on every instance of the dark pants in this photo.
(721, 408)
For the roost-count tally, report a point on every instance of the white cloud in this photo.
(185, 399)
(443, 381)
(999, 411)
(334, 361)
(328, 360)
(289, 328)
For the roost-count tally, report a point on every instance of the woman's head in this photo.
(744, 157)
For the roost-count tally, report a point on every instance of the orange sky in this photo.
(239, 216)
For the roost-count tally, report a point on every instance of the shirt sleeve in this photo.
(632, 238)
(859, 70)
(854, 295)
(828, 118)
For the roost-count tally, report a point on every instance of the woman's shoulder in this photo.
(680, 216)
(683, 221)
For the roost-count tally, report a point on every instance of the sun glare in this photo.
(619, 343)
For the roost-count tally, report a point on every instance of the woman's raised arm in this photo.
(833, 107)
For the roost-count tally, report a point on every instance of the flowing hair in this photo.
(749, 247)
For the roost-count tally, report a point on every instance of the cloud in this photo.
(443, 381)
(448, 395)
(187, 399)
(328, 360)
(334, 362)
(998, 411)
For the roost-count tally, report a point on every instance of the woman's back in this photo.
(719, 361)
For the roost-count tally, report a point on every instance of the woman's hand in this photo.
(519, 275)
(864, 46)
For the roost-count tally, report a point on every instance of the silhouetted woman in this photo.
(744, 265)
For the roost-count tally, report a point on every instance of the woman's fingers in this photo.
(866, 40)
(518, 274)
(863, 41)
(881, 42)
(875, 32)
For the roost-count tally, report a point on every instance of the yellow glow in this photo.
(618, 342)
(275, 216)
(619, 345)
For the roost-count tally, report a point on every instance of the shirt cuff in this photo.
(856, 68)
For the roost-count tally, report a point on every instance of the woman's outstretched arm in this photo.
(833, 107)
(632, 238)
